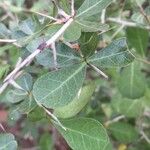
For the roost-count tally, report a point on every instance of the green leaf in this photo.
(65, 55)
(84, 134)
(77, 104)
(46, 142)
(7, 142)
(114, 55)
(15, 96)
(138, 38)
(136, 85)
(32, 116)
(89, 8)
(123, 132)
(58, 88)
(3, 70)
(88, 43)
(25, 107)
(27, 26)
(90, 26)
(25, 81)
(127, 107)
(4, 32)
(73, 32)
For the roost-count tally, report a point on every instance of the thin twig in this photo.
(126, 23)
(103, 16)
(143, 13)
(42, 46)
(145, 136)
(7, 40)
(98, 70)
(114, 120)
(72, 8)
(52, 115)
(53, 47)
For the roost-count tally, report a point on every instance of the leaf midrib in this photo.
(88, 9)
(91, 60)
(65, 81)
(78, 132)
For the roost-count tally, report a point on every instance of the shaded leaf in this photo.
(138, 38)
(25, 81)
(58, 88)
(46, 142)
(15, 96)
(4, 32)
(114, 55)
(77, 104)
(27, 26)
(135, 79)
(127, 107)
(84, 134)
(88, 43)
(123, 132)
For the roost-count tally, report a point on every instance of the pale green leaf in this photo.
(25, 107)
(91, 7)
(114, 55)
(4, 32)
(58, 88)
(136, 85)
(73, 32)
(84, 134)
(127, 107)
(123, 132)
(7, 142)
(27, 26)
(15, 96)
(77, 104)
(25, 81)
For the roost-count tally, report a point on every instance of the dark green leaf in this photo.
(88, 43)
(138, 38)
(123, 132)
(46, 142)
